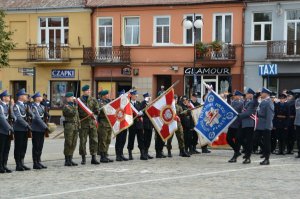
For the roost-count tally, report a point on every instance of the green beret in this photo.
(103, 92)
(69, 94)
(85, 88)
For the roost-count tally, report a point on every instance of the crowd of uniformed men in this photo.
(28, 119)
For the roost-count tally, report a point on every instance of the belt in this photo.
(281, 116)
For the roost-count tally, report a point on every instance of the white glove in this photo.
(140, 113)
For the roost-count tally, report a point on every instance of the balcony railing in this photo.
(48, 53)
(106, 55)
(227, 52)
(289, 49)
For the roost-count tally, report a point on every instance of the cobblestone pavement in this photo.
(201, 176)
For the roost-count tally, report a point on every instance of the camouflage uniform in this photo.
(88, 127)
(104, 130)
(178, 132)
(71, 128)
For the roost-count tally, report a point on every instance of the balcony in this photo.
(116, 55)
(48, 53)
(288, 50)
(223, 56)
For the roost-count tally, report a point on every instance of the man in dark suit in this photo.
(136, 129)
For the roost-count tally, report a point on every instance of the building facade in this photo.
(272, 44)
(48, 53)
(145, 45)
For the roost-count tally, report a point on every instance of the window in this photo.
(262, 27)
(223, 28)
(105, 32)
(59, 90)
(188, 33)
(54, 30)
(162, 30)
(132, 30)
(293, 32)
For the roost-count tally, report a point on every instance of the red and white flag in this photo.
(162, 113)
(87, 110)
(119, 113)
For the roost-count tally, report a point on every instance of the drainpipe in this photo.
(243, 48)
(92, 45)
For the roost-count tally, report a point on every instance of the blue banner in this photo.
(215, 117)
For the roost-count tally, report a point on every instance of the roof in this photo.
(128, 3)
(40, 4)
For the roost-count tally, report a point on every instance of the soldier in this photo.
(195, 103)
(6, 130)
(88, 126)
(71, 128)
(187, 124)
(120, 141)
(265, 114)
(281, 122)
(291, 128)
(178, 133)
(104, 129)
(136, 129)
(233, 132)
(297, 123)
(39, 127)
(248, 123)
(147, 124)
(21, 129)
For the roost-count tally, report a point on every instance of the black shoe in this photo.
(123, 157)
(144, 155)
(206, 151)
(183, 153)
(43, 166)
(103, 158)
(195, 150)
(94, 160)
(148, 155)
(83, 160)
(247, 161)
(109, 160)
(67, 161)
(130, 154)
(232, 160)
(24, 166)
(159, 154)
(265, 162)
(7, 170)
(71, 161)
(19, 168)
(169, 154)
(119, 158)
(36, 165)
(2, 170)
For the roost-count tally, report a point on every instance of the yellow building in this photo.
(48, 55)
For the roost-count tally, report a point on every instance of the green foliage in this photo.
(216, 45)
(201, 47)
(6, 43)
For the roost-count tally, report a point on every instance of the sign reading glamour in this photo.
(206, 71)
(63, 73)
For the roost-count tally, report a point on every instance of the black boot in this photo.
(123, 157)
(247, 161)
(107, 157)
(71, 161)
(7, 170)
(103, 158)
(40, 163)
(159, 154)
(19, 165)
(183, 153)
(83, 160)
(94, 160)
(118, 156)
(144, 156)
(148, 155)
(195, 150)
(234, 158)
(130, 154)
(24, 166)
(67, 161)
(169, 153)
(36, 165)
(2, 170)
(265, 162)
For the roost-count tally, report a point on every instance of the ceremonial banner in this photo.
(162, 114)
(87, 110)
(119, 113)
(215, 117)
(196, 114)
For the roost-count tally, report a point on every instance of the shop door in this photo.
(164, 80)
(16, 86)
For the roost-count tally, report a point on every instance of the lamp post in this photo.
(193, 24)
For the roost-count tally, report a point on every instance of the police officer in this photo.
(21, 129)
(178, 133)
(71, 128)
(195, 103)
(248, 123)
(232, 137)
(88, 126)
(38, 127)
(297, 123)
(136, 129)
(291, 120)
(104, 129)
(265, 114)
(281, 122)
(147, 124)
(6, 130)
(120, 141)
(187, 124)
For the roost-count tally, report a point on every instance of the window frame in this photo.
(286, 21)
(223, 25)
(262, 24)
(155, 27)
(185, 30)
(98, 32)
(124, 31)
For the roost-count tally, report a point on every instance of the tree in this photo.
(6, 42)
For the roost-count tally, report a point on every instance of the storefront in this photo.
(219, 78)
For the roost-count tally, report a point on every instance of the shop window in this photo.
(262, 27)
(59, 90)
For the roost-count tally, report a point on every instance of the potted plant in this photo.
(216, 46)
(201, 49)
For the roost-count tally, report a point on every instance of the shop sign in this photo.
(126, 71)
(63, 73)
(206, 71)
(267, 69)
